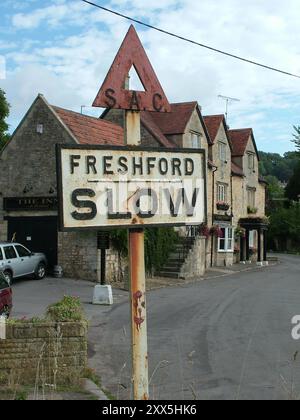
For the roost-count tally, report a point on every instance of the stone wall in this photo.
(77, 255)
(43, 353)
(195, 263)
(116, 267)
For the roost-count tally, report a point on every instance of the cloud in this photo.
(82, 42)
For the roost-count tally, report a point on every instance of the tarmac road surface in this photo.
(227, 338)
(222, 338)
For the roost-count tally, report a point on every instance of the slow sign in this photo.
(102, 186)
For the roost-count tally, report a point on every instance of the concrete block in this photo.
(102, 295)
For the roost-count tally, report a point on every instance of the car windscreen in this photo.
(23, 252)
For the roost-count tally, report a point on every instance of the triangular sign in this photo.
(113, 93)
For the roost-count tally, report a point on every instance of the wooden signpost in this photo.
(102, 187)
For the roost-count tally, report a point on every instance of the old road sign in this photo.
(102, 186)
(113, 93)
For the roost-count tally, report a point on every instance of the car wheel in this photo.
(40, 272)
(8, 276)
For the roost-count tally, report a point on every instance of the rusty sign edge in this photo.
(60, 147)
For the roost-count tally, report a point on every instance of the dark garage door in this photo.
(39, 234)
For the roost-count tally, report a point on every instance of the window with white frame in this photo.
(221, 193)
(226, 242)
(222, 152)
(196, 140)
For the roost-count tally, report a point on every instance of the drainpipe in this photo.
(213, 211)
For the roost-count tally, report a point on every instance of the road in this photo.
(226, 338)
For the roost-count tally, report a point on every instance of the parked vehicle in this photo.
(5, 296)
(17, 261)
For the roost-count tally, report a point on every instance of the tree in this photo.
(296, 136)
(282, 167)
(4, 112)
(293, 188)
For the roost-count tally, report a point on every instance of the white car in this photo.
(17, 261)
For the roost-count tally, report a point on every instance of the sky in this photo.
(64, 48)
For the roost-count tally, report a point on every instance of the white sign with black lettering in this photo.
(130, 187)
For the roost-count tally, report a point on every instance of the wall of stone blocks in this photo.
(43, 353)
(195, 263)
(77, 254)
(78, 257)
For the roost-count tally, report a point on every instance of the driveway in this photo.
(224, 338)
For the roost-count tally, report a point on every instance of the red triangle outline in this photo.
(112, 93)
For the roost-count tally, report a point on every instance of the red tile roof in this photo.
(174, 122)
(213, 123)
(236, 170)
(147, 121)
(239, 140)
(90, 130)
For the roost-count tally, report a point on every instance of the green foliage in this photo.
(293, 188)
(159, 243)
(119, 241)
(281, 167)
(67, 310)
(285, 223)
(4, 112)
(275, 189)
(296, 138)
(252, 210)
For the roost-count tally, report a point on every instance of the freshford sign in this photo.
(103, 186)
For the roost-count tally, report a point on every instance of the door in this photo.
(38, 234)
(12, 260)
(27, 262)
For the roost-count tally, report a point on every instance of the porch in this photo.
(260, 226)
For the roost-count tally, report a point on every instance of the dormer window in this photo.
(251, 162)
(222, 152)
(195, 140)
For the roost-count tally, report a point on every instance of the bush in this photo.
(159, 243)
(67, 310)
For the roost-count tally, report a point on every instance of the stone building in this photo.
(235, 193)
(28, 185)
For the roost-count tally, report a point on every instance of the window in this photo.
(1, 255)
(23, 252)
(40, 129)
(10, 253)
(225, 244)
(3, 283)
(251, 165)
(251, 197)
(222, 152)
(222, 193)
(196, 140)
(252, 239)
